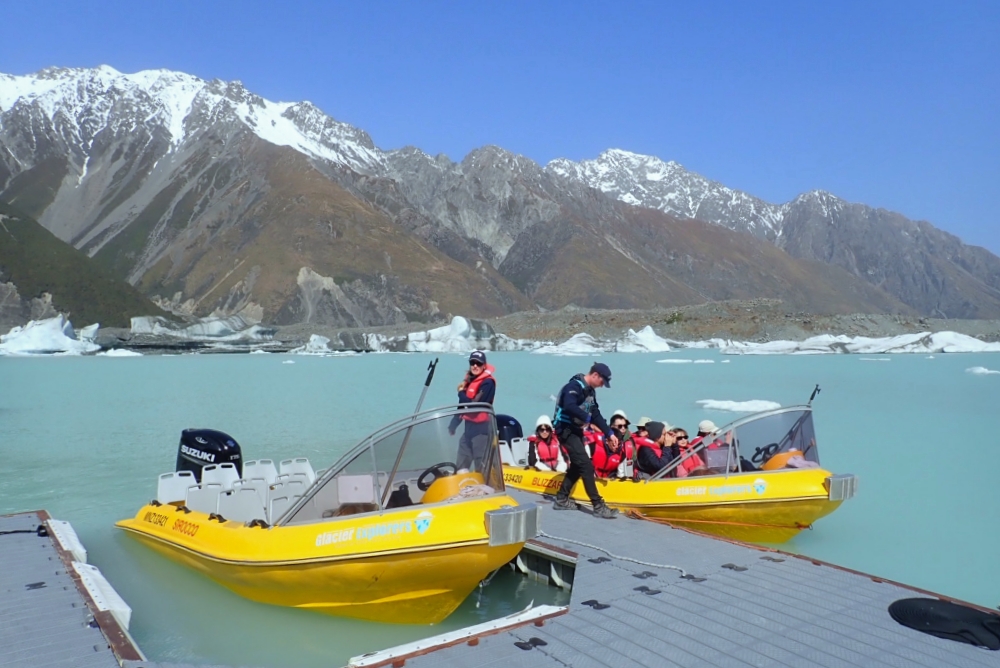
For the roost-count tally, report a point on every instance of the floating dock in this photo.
(643, 594)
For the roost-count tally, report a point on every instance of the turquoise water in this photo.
(85, 438)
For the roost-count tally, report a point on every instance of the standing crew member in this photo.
(576, 408)
(478, 386)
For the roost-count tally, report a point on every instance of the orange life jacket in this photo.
(690, 464)
(547, 451)
(472, 389)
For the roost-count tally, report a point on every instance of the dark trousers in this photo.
(580, 466)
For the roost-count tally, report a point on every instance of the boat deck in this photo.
(739, 606)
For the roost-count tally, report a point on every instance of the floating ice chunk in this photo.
(674, 361)
(752, 406)
(289, 362)
(41, 337)
(643, 341)
(578, 344)
(317, 345)
(259, 352)
(875, 359)
(88, 333)
(981, 371)
(119, 352)
(704, 361)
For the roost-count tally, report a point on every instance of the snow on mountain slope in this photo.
(80, 102)
(647, 181)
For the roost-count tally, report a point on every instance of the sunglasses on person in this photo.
(682, 437)
(619, 425)
(472, 364)
(545, 429)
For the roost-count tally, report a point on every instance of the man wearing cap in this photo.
(657, 451)
(577, 407)
(705, 428)
(478, 386)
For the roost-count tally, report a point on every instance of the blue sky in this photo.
(894, 104)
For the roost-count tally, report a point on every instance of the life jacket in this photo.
(690, 464)
(547, 451)
(586, 406)
(605, 461)
(472, 389)
(641, 442)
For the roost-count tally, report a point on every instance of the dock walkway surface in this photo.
(739, 606)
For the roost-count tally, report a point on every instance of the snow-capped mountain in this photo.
(210, 197)
(643, 180)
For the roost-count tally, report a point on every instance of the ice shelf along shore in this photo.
(462, 335)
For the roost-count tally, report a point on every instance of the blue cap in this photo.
(478, 356)
(602, 370)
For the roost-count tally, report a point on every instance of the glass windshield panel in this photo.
(390, 472)
(761, 439)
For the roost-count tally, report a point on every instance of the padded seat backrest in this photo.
(355, 489)
(223, 474)
(173, 486)
(260, 468)
(241, 505)
(506, 456)
(278, 506)
(259, 485)
(204, 497)
(299, 465)
(519, 451)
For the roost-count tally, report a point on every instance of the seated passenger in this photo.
(609, 459)
(619, 425)
(640, 427)
(691, 465)
(654, 452)
(544, 451)
(705, 428)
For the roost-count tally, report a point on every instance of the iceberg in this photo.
(461, 335)
(752, 406)
(119, 352)
(982, 371)
(229, 329)
(317, 345)
(922, 342)
(576, 345)
(643, 341)
(45, 337)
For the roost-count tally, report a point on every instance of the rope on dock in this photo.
(613, 555)
(671, 522)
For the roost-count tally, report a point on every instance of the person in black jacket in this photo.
(577, 407)
(649, 460)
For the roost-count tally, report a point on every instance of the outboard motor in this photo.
(201, 447)
(508, 428)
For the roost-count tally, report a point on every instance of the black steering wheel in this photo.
(437, 472)
(761, 455)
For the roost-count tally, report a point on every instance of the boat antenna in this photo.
(406, 439)
(813, 395)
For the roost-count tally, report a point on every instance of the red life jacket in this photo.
(691, 463)
(605, 461)
(472, 389)
(547, 451)
(641, 442)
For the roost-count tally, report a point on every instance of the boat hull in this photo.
(375, 567)
(754, 507)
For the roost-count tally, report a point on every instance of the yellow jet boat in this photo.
(393, 532)
(762, 482)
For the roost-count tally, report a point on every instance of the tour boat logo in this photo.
(424, 521)
(759, 485)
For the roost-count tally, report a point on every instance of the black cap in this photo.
(478, 356)
(602, 370)
(655, 430)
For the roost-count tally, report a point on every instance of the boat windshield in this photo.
(770, 441)
(442, 455)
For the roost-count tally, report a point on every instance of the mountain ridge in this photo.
(146, 171)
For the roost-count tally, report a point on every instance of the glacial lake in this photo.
(85, 437)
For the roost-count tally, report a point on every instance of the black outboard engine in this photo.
(508, 428)
(201, 447)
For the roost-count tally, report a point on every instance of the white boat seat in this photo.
(279, 505)
(260, 468)
(173, 486)
(259, 485)
(519, 451)
(204, 497)
(355, 489)
(241, 505)
(223, 474)
(299, 465)
(506, 456)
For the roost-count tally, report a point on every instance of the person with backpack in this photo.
(576, 407)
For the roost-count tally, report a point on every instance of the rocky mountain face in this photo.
(211, 199)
